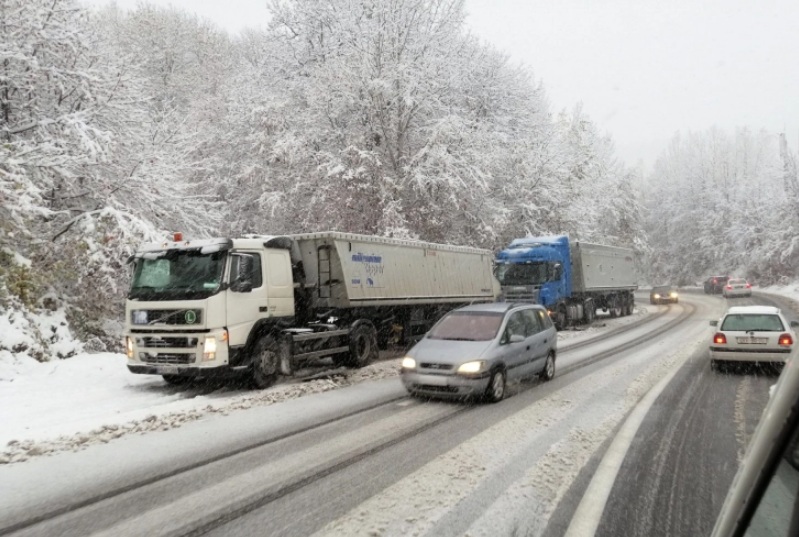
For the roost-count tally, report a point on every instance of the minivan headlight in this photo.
(408, 363)
(470, 368)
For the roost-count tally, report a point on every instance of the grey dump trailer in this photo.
(267, 305)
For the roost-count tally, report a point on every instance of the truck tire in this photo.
(495, 392)
(561, 318)
(589, 311)
(176, 380)
(363, 345)
(265, 362)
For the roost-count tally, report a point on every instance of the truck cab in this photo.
(194, 306)
(535, 270)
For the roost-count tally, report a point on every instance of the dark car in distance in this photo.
(715, 284)
(663, 294)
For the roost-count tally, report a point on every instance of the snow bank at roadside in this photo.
(90, 399)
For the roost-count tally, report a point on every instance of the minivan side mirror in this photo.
(714, 323)
(516, 338)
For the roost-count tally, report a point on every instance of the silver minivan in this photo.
(475, 350)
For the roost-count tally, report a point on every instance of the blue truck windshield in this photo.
(534, 273)
(177, 275)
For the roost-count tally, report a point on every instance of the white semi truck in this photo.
(263, 306)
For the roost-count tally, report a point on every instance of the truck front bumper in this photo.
(223, 371)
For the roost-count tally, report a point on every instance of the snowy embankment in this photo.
(92, 398)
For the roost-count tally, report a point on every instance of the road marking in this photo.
(406, 403)
(585, 520)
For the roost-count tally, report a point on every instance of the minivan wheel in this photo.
(548, 373)
(496, 386)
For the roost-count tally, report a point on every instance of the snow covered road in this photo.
(440, 469)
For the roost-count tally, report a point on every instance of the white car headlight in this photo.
(408, 363)
(657, 295)
(476, 366)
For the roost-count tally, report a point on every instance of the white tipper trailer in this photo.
(264, 305)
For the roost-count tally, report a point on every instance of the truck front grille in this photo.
(527, 295)
(166, 358)
(155, 342)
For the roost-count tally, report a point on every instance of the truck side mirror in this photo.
(557, 271)
(242, 280)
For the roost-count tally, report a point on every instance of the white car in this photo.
(736, 287)
(759, 334)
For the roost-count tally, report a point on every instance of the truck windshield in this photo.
(534, 273)
(177, 274)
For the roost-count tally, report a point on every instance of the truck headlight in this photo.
(657, 295)
(470, 368)
(408, 363)
(209, 349)
(129, 347)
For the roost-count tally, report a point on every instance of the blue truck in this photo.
(571, 279)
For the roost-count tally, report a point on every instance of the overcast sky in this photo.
(643, 69)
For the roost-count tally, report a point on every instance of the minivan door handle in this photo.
(528, 347)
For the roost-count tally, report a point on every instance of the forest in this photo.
(381, 117)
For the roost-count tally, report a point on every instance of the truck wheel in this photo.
(176, 380)
(495, 392)
(363, 345)
(548, 373)
(265, 361)
(561, 317)
(589, 313)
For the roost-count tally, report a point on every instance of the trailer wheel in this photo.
(615, 308)
(265, 362)
(363, 345)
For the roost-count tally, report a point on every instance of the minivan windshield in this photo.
(468, 326)
(758, 322)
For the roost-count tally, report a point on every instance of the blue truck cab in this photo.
(535, 269)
